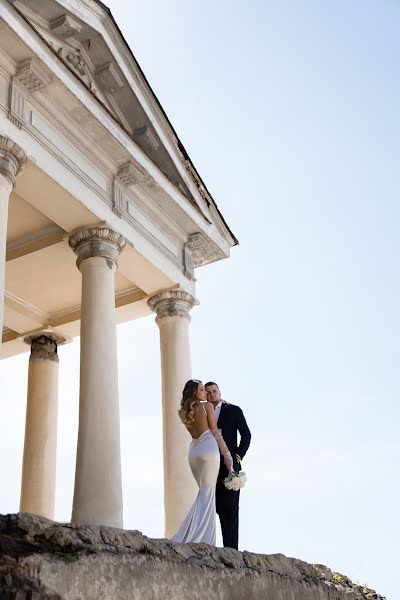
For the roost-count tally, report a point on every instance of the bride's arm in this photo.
(212, 423)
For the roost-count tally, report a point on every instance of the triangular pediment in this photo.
(85, 37)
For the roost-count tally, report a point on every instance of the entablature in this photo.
(55, 109)
(85, 36)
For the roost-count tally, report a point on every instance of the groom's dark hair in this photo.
(211, 383)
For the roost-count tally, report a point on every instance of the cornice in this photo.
(152, 107)
(95, 106)
(191, 215)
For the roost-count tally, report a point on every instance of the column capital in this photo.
(99, 240)
(174, 303)
(12, 159)
(44, 345)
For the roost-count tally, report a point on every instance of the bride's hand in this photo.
(228, 463)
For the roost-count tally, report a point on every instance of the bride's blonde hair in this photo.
(186, 411)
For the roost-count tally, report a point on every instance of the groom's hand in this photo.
(238, 459)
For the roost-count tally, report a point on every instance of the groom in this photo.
(230, 421)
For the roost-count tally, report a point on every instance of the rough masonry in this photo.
(44, 560)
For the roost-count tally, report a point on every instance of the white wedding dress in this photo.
(200, 522)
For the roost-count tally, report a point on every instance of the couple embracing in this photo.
(214, 453)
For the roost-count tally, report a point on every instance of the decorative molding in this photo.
(65, 27)
(32, 76)
(203, 249)
(174, 303)
(88, 242)
(130, 174)
(115, 108)
(146, 138)
(203, 194)
(67, 149)
(188, 263)
(73, 313)
(129, 296)
(9, 335)
(195, 178)
(26, 308)
(33, 242)
(44, 345)
(12, 159)
(155, 232)
(154, 224)
(74, 60)
(109, 79)
(219, 224)
(16, 113)
(119, 205)
(29, 77)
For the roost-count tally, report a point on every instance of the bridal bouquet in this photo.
(235, 481)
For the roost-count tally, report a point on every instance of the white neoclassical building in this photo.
(103, 219)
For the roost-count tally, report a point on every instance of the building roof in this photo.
(180, 145)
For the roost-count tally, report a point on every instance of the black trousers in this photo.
(227, 504)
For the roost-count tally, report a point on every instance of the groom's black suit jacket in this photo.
(231, 421)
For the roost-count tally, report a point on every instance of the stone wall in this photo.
(40, 559)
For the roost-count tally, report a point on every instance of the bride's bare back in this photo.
(202, 420)
(204, 417)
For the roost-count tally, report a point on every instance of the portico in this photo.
(103, 219)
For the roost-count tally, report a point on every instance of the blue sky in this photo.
(289, 111)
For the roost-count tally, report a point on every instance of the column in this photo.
(180, 489)
(98, 482)
(12, 163)
(40, 448)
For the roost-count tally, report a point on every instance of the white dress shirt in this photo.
(218, 410)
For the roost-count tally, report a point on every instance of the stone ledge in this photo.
(44, 560)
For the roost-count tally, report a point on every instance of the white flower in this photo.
(242, 479)
(235, 481)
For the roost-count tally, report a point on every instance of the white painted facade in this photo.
(85, 146)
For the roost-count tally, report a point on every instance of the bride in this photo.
(204, 459)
